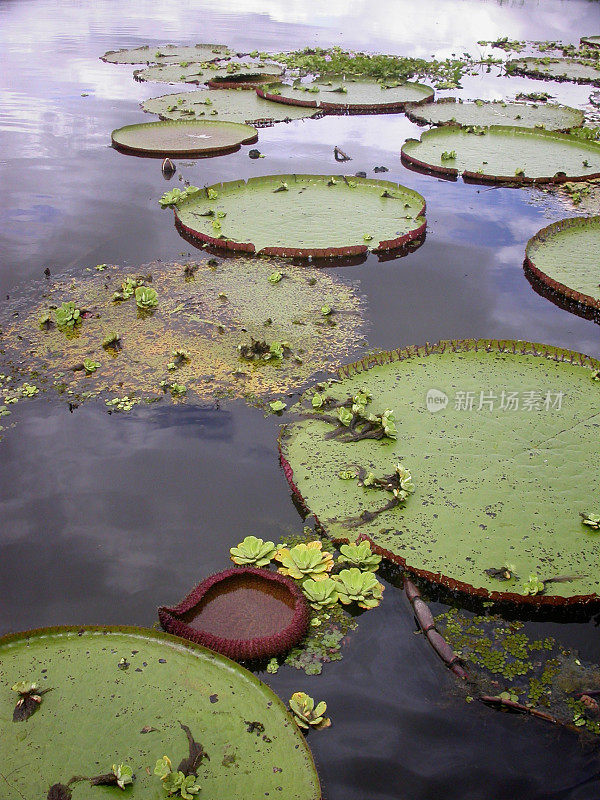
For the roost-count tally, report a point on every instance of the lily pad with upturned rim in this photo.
(245, 613)
(241, 105)
(564, 256)
(357, 95)
(183, 138)
(231, 71)
(305, 215)
(100, 714)
(492, 485)
(556, 69)
(450, 111)
(167, 54)
(503, 154)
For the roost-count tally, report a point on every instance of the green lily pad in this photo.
(590, 41)
(556, 69)
(232, 71)
(207, 309)
(306, 215)
(505, 154)
(183, 137)
(241, 105)
(449, 111)
(103, 711)
(335, 93)
(564, 256)
(501, 439)
(166, 54)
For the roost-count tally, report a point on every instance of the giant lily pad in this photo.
(208, 311)
(501, 439)
(234, 72)
(590, 41)
(305, 215)
(338, 94)
(166, 54)
(240, 105)
(122, 694)
(556, 69)
(564, 256)
(504, 154)
(449, 111)
(183, 138)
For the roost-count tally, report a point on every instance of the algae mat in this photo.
(304, 215)
(339, 94)
(523, 115)
(504, 154)
(501, 439)
(565, 256)
(234, 105)
(207, 308)
(103, 711)
(183, 137)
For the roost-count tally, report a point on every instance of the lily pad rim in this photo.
(412, 110)
(258, 647)
(259, 122)
(304, 252)
(341, 106)
(538, 74)
(561, 288)
(478, 177)
(251, 138)
(519, 347)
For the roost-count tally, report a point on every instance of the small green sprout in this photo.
(519, 172)
(306, 714)
(253, 550)
(45, 320)
(176, 782)
(592, 520)
(305, 561)
(277, 406)
(448, 155)
(320, 594)
(347, 474)
(216, 224)
(317, 401)
(28, 390)
(212, 194)
(283, 187)
(359, 587)
(367, 237)
(30, 699)
(145, 298)
(360, 555)
(596, 375)
(90, 365)
(68, 315)
(100, 267)
(112, 341)
(326, 310)
(533, 586)
(180, 357)
(275, 277)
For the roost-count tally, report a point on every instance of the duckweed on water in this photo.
(192, 321)
(501, 656)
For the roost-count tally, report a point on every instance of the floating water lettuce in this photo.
(321, 593)
(306, 714)
(253, 550)
(591, 520)
(305, 561)
(146, 298)
(67, 315)
(363, 588)
(359, 554)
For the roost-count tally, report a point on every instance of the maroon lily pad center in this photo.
(245, 613)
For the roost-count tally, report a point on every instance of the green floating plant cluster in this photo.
(306, 713)
(538, 673)
(352, 419)
(329, 585)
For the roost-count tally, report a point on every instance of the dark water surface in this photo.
(104, 517)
